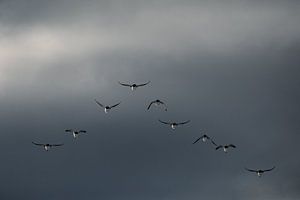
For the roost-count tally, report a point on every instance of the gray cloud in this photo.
(230, 67)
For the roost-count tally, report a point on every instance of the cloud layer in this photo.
(229, 66)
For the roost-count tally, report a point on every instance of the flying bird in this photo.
(174, 124)
(259, 172)
(134, 86)
(106, 108)
(75, 132)
(225, 147)
(204, 139)
(157, 103)
(47, 146)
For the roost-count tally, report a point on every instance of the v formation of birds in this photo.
(173, 125)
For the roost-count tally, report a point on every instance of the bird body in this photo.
(259, 173)
(47, 147)
(133, 87)
(174, 125)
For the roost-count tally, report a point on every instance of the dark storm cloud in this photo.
(230, 67)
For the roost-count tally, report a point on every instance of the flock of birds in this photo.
(204, 138)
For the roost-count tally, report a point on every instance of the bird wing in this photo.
(115, 105)
(97, 102)
(37, 144)
(164, 122)
(143, 84)
(218, 147)
(213, 143)
(250, 170)
(184, 122)
(69, 130)
(82, 131)
(231, 145)
(197, 140)
(150, 105)
(124, 84)
(267, 170)
(56, 145)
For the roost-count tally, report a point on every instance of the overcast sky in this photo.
(229, 66)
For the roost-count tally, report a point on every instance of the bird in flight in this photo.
(47, 146)
(225, 147)
(157, 102)
(134, 86)
(259, 172)
(204, 138)
(174, 124)
(106, 108)
(75, 132)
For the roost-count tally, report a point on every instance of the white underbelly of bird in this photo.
(133, 88)
(259, 174)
